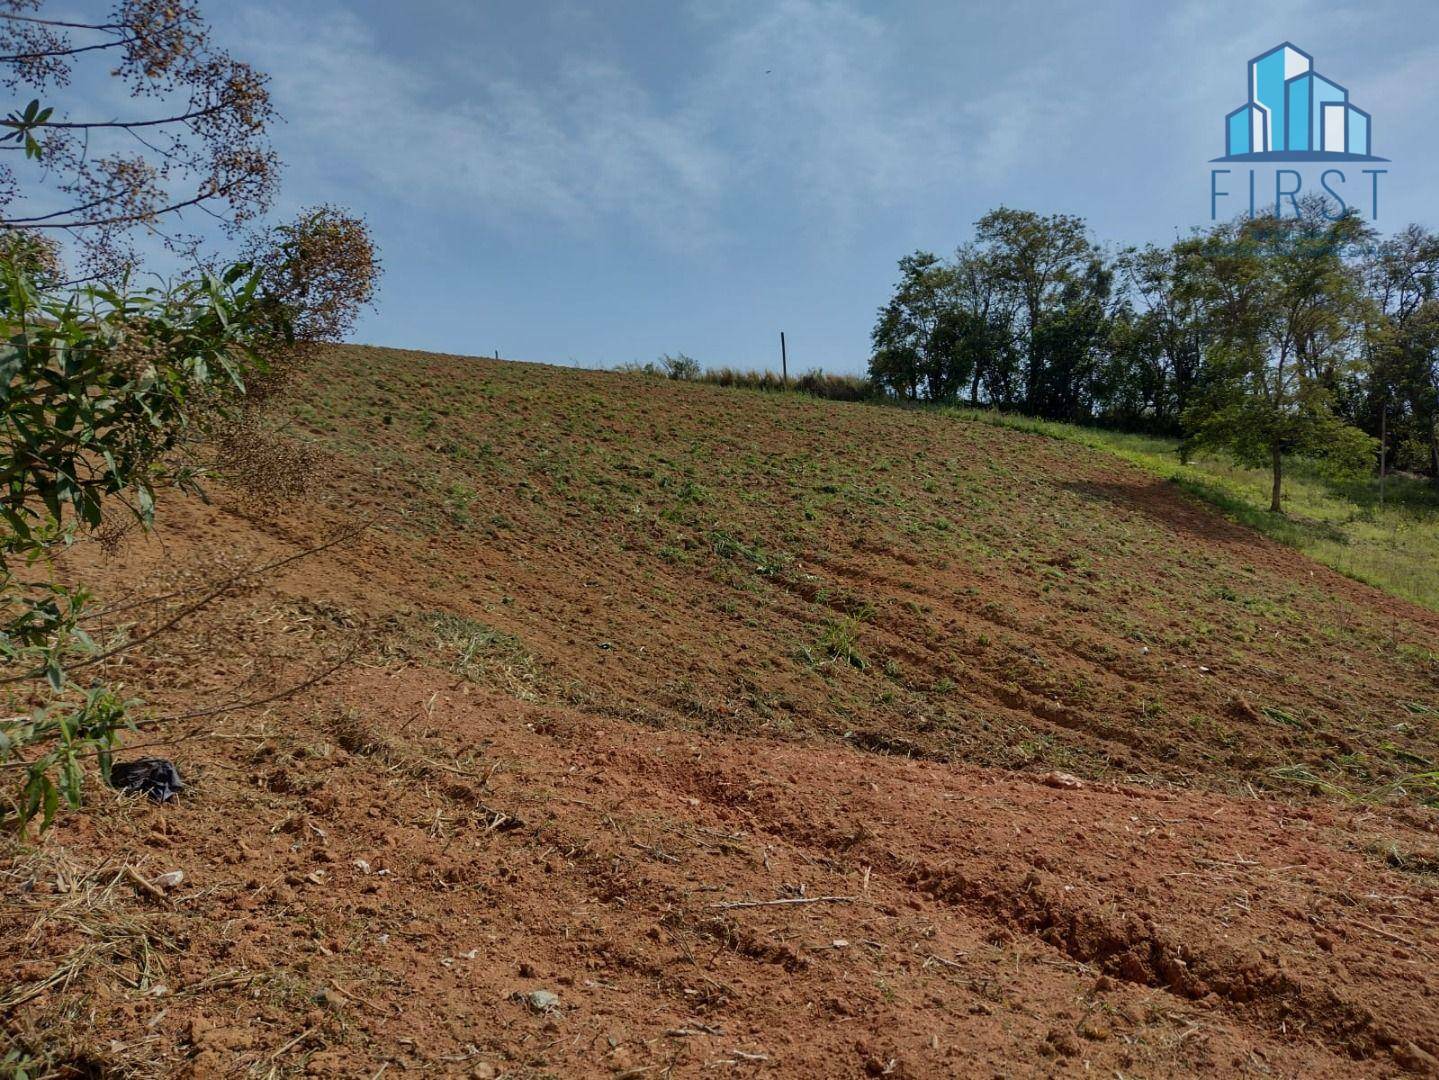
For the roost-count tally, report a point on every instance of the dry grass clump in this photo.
(87, 931)
(357, 734)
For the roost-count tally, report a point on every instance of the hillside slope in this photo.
(686, 555)
(621, 654)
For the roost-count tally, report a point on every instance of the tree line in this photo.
(1305, 335)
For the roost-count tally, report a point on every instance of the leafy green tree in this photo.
(1286, 312)
(1036, 258)
(918, 336)
(1070, 343)
(989, 342)
(1035, 318)
(1403, 392)
(1161, 340)
(1420, 379)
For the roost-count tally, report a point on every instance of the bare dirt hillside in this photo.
(664, 730)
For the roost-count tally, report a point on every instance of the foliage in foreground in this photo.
(105, 394)
(108, 390)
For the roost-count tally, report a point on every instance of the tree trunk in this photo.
(1434, 454)
(1031, 375)
(1274, 506)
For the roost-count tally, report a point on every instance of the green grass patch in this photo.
(482, 654)
(840, 641)
(1393, 544)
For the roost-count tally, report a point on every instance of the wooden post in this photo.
(1383, 449)
(783, 360)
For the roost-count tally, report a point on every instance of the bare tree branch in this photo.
(13, 17)
(128, 124)
(148, 215)
(204, 601)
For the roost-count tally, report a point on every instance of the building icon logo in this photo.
(1296, 114)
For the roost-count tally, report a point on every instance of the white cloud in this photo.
(803, 103)
(803, 93)
(493, 150)
(849, 117)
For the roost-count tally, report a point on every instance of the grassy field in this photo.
(1393, 545)
(890, 577)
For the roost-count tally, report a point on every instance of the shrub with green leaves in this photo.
(679, 366)
(105, 393)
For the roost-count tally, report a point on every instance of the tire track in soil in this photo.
(1128, 947)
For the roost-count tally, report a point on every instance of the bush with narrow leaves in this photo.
(105, 394)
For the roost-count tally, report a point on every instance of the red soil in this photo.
(647, 731)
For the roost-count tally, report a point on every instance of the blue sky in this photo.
(596, 183)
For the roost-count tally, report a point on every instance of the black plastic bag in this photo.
(154, 777)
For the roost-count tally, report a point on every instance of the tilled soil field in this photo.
(649, 729)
